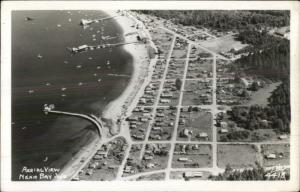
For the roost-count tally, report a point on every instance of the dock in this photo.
(83, 48)
(87, 22)
(92, 118)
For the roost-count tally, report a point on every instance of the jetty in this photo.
(82, 48)
(92, 118)
(87, 22)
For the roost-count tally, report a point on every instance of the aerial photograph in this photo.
(150, 95)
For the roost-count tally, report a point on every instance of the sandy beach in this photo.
(141, 61)
(123, 105)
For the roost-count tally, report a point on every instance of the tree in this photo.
(178, 83)
(254, 86)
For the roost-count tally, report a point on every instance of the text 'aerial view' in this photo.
(140, 95)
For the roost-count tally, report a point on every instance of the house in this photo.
(223, 124)
(165, 100)
(139, 137)
(89, 172)
(148, 157)
(271, 156)
(203, 135)
(183, 159)
(282, 137)
(181, 121)
(190, 174)
(150, 165)
(185, 132)
(143, 119)
(223, 130)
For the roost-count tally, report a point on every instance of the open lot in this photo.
(200, 68)
(260, 97)
(176, 69)
(275, 154)
(198, 53)
(105, 163)
(163, 126)
(198, 122)
(237, 156)
(223, 44)
(192, 156)
(180, 49)
(139, 122)
(197, 92)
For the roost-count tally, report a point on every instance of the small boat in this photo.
(23, 128)
(46, 159)
(93, 35)
(63, 88)
(58, 25)
(90, 58)
(70, 20)
(94, 39)
(40, 56)
(99, 80)
(108, 63)
(66, 62)
(63, 95)
(78, 66)
(29, 19)
(98, 67)
(80, 83)
(95, 74)
(48, 84)
(31, 91)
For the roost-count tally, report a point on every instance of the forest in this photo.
(224, 20)
(276, 115)
(270, 56)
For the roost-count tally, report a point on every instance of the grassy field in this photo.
(198, 122)
(223, 44)
(261, 96)
(200, 68)
(238, 156)
(282, 152)
(193, 90)
(201, 156)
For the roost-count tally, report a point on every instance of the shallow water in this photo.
(44, 71)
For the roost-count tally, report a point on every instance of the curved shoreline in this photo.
(122, 105)
(117, 108)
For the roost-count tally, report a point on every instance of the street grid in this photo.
(124, 132)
